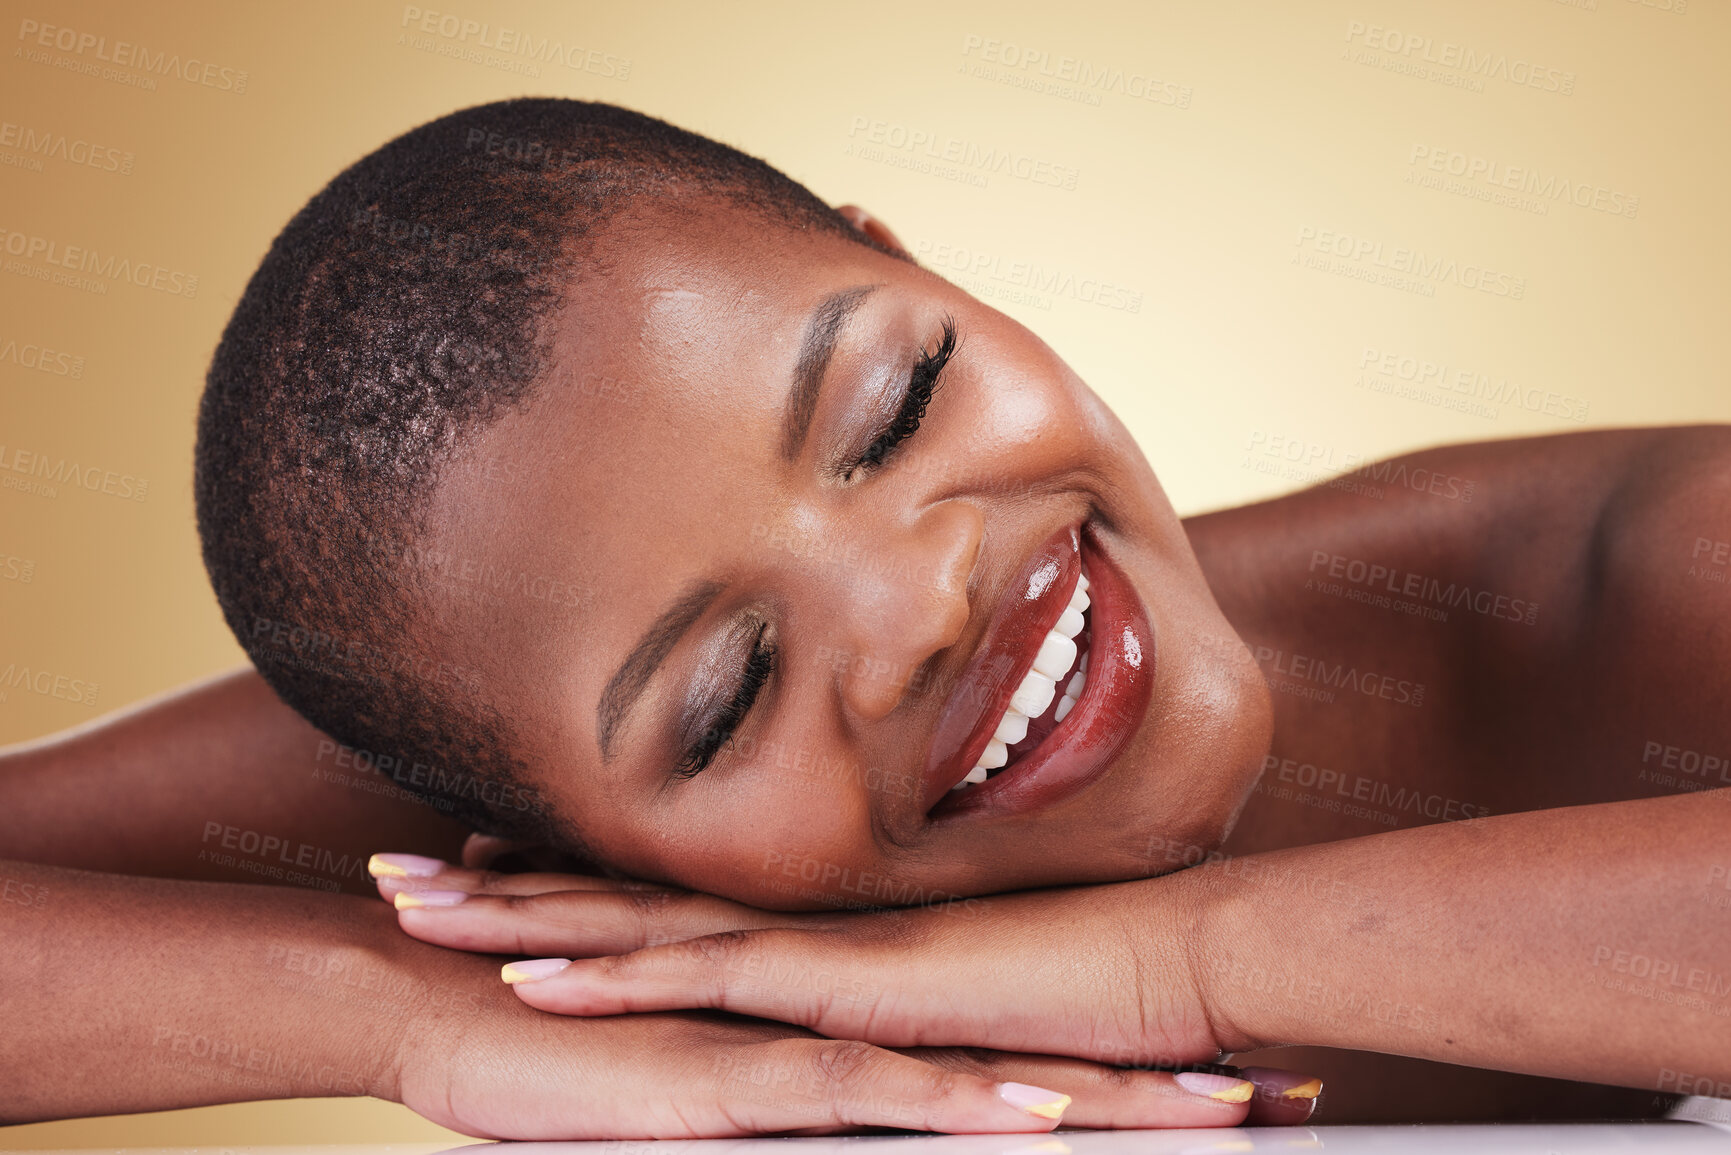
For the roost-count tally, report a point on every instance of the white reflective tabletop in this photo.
(1660, 1138)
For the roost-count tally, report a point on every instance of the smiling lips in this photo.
(1061, 660)
(1068, 662)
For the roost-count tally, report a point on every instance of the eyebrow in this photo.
(815, 351)
(816, 348)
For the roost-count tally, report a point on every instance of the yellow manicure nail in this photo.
(1036, 1101)
(1308, 1090)
(406, 901)
(532, 970)
(1238, 1094)
(379, 867)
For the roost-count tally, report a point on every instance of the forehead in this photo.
(564, 527)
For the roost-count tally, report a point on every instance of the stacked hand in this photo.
(996, 1014)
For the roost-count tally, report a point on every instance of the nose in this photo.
(906, 599)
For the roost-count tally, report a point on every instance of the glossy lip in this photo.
(1079, 749)
(1030, 605)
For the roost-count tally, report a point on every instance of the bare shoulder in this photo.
(1565, 599)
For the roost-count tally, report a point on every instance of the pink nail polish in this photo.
(1035, 1101)
(1225, 1088)
(532, 970)
(415, 899)
(403, 866)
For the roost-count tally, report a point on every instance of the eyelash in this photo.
(720, 732)
(923, 382)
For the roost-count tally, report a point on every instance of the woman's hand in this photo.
(1053, 972)
(535, 1076)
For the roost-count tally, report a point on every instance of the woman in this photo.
(838, 543)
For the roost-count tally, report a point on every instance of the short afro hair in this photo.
(398, 312)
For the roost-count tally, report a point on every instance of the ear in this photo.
(874, 228)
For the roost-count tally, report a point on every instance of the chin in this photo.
(1212, 722)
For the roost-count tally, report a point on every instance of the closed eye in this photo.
(719, 731)
(923, 382)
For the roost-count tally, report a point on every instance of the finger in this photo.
(572, 923)
(395, 873)
(803, 1084)
(1282, 1098)
(776, 973)
(1110, 1097)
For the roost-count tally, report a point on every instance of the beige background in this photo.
(1216, 154)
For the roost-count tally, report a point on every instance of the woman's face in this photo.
(756, 614)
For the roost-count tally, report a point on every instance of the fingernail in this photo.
(403, 866)
(1222, 1087)
(1278, 1083)
(532, 970)
(414, 900)
(1035, 1101)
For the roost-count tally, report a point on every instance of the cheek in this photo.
(783, 831)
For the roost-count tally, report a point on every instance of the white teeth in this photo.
(1057, 654)
(1034, 694)
(1040, 685)
(1013, 728)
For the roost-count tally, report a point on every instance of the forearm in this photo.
(1580, 943)
(193, 783)
(123, 994)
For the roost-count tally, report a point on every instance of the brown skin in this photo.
(1597, 529)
